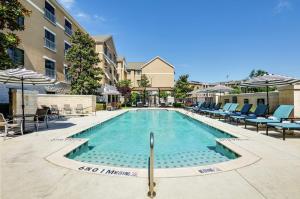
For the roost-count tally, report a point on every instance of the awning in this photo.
(108, 90)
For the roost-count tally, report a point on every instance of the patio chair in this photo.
(67, 109)
(260, 111)
(281, 113)
(291, 125)
(54, 110)
(17, 125)
(41, 117)
(79, 109)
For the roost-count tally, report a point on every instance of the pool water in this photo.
(180, 141)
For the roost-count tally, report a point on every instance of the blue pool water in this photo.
(180, 141)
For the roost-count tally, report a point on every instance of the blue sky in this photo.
(207, 39)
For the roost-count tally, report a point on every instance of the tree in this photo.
(12, 15)
(85, 76)
(182, 87)
(144, 82)
(124, 87)
(257, 73)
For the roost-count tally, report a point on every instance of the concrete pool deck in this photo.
(26, 172)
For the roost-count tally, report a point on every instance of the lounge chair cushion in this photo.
(262, 121)
(286, 125)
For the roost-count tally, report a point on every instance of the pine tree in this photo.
(85, 76)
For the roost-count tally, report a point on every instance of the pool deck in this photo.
(27, 173)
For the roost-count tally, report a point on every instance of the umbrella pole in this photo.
(268, 100)
(23, 106)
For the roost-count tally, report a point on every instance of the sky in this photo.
(211, 40)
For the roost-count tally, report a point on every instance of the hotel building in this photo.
(45, 39)
(159, 72)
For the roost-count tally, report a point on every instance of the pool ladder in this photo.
(151, 192)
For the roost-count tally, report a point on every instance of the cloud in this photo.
(281, 6)
(89, 18)
(67, 3)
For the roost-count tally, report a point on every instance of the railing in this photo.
(68, 31)
(151, 192)
(50, 44)
(51, 17)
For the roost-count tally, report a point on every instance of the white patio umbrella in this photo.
(218, 89)
(24, 77)
(268, 80)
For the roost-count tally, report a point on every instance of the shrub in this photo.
(100, 106)
(177, 105)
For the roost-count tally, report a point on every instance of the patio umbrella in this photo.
(24, 77)
(268, 80)
(219, 89)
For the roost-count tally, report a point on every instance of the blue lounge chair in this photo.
(281, 113)
(225, 108)
(210, 107)
(196, 108)
(204, 107)
(284, 126)
(231, 110)
(244, 111)
(260, 111)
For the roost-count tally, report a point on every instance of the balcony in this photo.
(68, 31)
(50, 73)
(50, 44)
(51, 17)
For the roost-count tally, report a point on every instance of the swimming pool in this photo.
(180, 141)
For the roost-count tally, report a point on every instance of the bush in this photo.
(100, 106)
(177, 105)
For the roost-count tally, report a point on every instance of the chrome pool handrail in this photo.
(151, 192)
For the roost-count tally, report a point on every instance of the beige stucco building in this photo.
(108, 58)
(159, 72)
(122, 69)
(45, 39)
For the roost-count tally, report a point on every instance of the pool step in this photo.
(176, 160)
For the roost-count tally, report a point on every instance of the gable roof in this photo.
(102, 38)
(155, 58)
(135, 65)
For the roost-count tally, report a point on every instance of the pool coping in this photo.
(246, 157)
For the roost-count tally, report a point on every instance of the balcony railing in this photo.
(50, 73)
(68, 31)
(51, 17)
(50, 44)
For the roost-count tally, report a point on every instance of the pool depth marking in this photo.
(107, 171)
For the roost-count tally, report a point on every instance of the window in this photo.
(20, 21)
(50, 12)
(68, 27)
(260, 101)
(234, 99)
(138, 72)
(50, 40)
(226, 101)
(50, 69)
(17, 56)
(67, 75)
(67, 47)
(246, 101)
